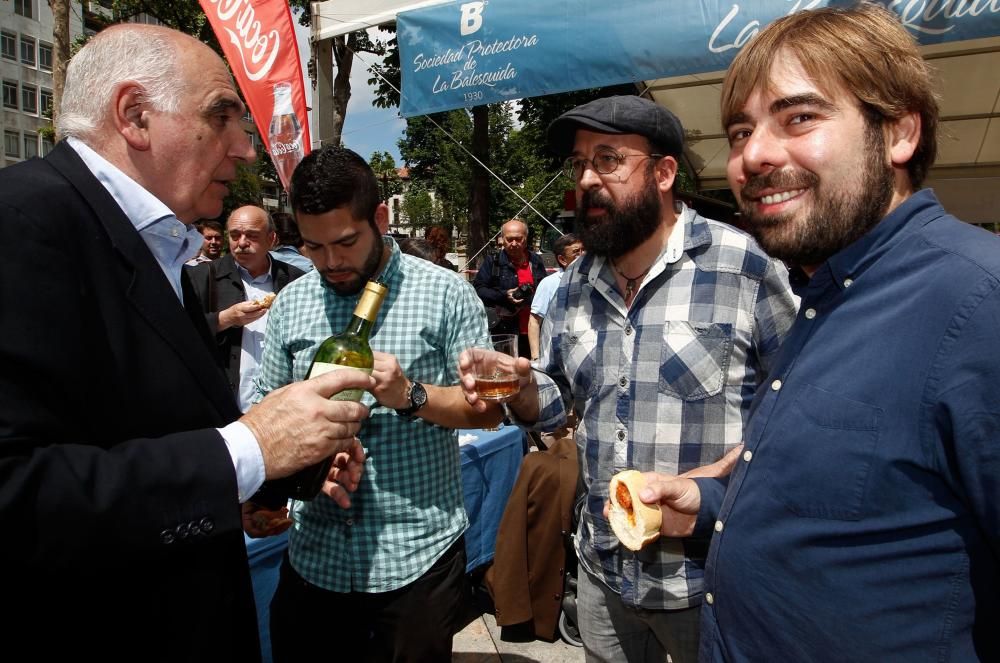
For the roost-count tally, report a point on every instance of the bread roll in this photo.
(265, 301)
(634, 522)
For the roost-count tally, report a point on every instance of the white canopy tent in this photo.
(966, 176)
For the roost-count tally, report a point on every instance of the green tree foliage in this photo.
(384, 167)
(244, 190)
(419, 208)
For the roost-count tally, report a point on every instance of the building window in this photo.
(247, 117)
(27, 50)
(30, 145)
(29, 99)
(47, 145)
(45, 102)
(8, 45)
(45, 56)
(11, 144)
(23, 8)
(10, 94)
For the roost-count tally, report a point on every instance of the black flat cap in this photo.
(619, 115)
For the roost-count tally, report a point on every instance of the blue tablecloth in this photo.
(490, 463)
(265, 559)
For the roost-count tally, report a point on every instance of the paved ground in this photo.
(482, 641)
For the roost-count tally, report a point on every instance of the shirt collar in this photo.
(139, 205)
(848, 264)
(171, 242)
(249, 278)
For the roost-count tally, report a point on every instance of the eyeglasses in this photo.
(605, 162)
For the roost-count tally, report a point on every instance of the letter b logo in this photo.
(472, 17)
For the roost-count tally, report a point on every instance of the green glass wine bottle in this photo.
(348, 349)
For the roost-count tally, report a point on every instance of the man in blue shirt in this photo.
(566, 249)
(862, 521)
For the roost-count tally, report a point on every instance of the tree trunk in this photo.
(343, 58)
(60, 51)
(479, 203)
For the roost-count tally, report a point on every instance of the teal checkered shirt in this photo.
(409, 508)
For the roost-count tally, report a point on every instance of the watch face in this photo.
(418, 396)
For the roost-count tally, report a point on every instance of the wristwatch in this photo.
(417, 396)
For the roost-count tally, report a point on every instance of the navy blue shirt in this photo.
(863, 521)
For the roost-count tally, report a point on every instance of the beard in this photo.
(364, 275)
(835, 220)
(623, 227)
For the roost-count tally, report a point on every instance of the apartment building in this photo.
(26, 74)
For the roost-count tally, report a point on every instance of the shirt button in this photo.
(174, 232)
(709, 599)
(810, 313)
(848, 282)
(623, 382)
(718, 525)
(349, 522)
(776, 385)
(747, 455)
(621, 435)
(628, 330)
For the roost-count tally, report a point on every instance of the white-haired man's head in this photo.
(145, 56)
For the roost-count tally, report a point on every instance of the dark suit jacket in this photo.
(122, 529)
(219, 286)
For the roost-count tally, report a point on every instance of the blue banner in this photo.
(463, 54)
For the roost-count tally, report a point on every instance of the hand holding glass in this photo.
(495, 370)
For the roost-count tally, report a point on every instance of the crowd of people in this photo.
(810, 404)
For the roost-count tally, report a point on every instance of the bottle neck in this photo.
(359, 326)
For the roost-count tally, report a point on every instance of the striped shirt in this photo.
(663, 386)
(409, 507)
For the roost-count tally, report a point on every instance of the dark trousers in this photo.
(414, 623)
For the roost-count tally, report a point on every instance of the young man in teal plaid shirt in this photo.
(390, 569)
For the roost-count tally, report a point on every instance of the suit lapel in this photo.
(147, 289)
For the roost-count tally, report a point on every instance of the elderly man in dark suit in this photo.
(123, 458)
(234, 293)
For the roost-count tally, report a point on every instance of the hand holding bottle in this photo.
(345, 474)
(298, 425)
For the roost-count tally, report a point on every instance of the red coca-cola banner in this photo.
(258, 38)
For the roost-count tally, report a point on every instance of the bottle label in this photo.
(319, 368)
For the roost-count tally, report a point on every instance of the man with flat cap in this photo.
(658, 337)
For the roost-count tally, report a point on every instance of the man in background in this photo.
(236, 293)
(862, 521)
(212, 247)
(124, 458)
(566, 249)
(288, 246)
(506, 281)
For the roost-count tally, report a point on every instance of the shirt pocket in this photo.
(580, 359)
(694, 359)
(828, 449)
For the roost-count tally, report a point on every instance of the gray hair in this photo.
(112, 57)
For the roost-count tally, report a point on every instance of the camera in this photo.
(523, 291)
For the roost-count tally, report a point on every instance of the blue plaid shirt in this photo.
(663, 386)
(409, 507)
